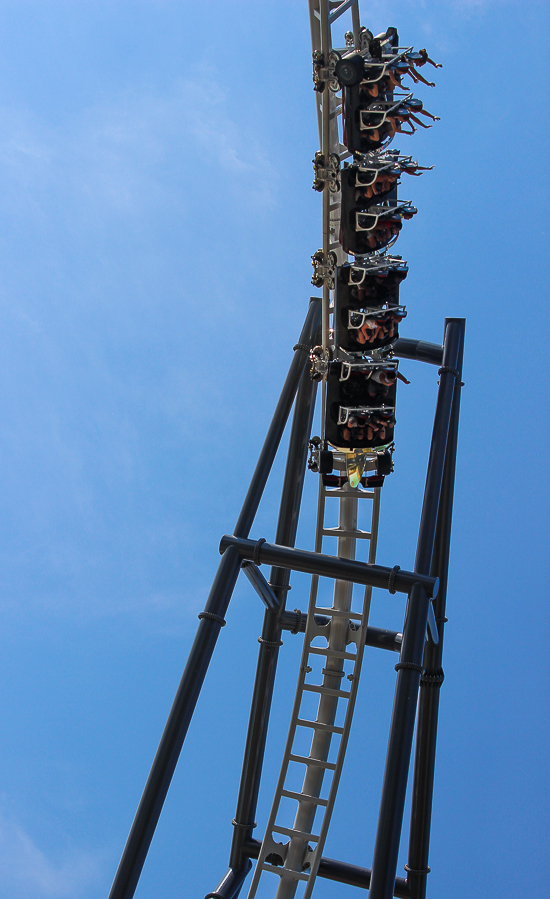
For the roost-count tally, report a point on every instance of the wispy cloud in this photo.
(111, 153)
(26, 872)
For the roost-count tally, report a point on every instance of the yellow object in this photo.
(355, 466)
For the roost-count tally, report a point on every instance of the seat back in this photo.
(360, 408)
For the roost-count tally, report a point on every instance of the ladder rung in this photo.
(303, 797)
(338, 613)
(341, 532)
(288, 832)
(335, 653)
(318, 725)
(284, 872)
(326, 691)
(304, 760)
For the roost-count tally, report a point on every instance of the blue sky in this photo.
(156, 227)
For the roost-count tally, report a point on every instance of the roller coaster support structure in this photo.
(432, 677)
(212, 619)
(419, 672)
(411, 664)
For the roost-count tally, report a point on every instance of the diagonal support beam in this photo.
(261, 586)
(212, 620)
(270, 640)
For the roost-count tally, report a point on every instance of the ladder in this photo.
(297, 859)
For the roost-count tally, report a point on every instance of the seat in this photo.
(361, 404)
(366, 295)
(369, 229)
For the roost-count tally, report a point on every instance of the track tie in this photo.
(318, 763)
(318, 725)
(326, 691)
(289, 832)
(303, 797)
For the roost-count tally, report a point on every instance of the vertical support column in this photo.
(212, 619)
(409, 667)
(432, 678)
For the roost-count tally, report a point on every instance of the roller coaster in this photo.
(350, 347)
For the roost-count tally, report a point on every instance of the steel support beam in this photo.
(432, 678)
(212, 619)
(270, 639)
(409, 667)
(261, 586)
(279, 420)
(231, 882)
(397, 580)
(421, 350)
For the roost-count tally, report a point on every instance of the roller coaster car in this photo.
(361, 404)
(372, 229)
(373, 283)
(364, 184)
(367, 122)
(367, 309)
(367, 329)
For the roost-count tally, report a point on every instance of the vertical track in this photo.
(333, 672)
(298, 859)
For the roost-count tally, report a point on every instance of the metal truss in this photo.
(335, 637)
(419, 672)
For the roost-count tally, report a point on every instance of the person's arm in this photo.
(399, 126)
(418, 122)
(416, 76)
(394, 79)
(435, 118)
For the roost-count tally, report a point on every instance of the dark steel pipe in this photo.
(394, 786)
(454, 335)
(278, 423)
(330, 566)
(270, 639)
(355, 876)
(383, 639)
(342, 872)
(164, 764)
(409, 668)
(230, 885)
(261, 586)
(431, 680)
(421, 350)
